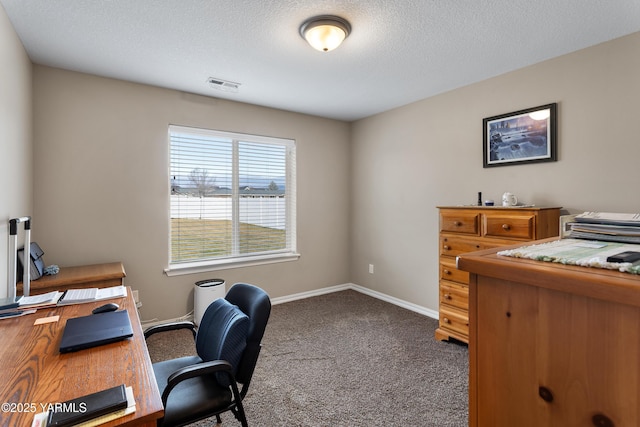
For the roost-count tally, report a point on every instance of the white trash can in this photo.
(206, 292)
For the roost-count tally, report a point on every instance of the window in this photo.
(232, 200)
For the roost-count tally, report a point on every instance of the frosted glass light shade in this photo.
(325, 33)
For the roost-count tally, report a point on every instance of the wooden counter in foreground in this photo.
(551, 344)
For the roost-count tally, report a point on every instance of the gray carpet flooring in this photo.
(347, 359)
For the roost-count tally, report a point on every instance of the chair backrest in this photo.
(255, 303)
(222, 335)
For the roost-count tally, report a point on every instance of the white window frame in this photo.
(288, 254)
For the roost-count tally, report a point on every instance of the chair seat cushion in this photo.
(192, 399)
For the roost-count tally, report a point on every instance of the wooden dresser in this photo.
(470, 228)
(551, 344)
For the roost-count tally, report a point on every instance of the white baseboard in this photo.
(309, 294)
(375, 294)
(149, 323)
(302, 295)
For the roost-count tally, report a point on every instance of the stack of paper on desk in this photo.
(78, 296)
(26, 305)
(10, 307)
(606, 226)
(38, 301)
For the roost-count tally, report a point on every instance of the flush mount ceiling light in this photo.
(325, 32)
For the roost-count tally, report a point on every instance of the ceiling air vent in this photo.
(223, 85)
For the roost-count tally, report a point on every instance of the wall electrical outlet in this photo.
(370, 268)
(136, 298)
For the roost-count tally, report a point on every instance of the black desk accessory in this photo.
(94, 330)
(627, 256)
(105, 308)
(87, 407)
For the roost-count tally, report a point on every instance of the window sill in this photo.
(205, 266)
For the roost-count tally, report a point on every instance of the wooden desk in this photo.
(34, 372)
(551, 344)
(84, 276)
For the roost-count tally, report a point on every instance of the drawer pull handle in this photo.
(446, 271)
(457, 223)
(545, 394)
(447, 296)
(600, 420)
(506, 227)
(446, 247)
(446, 320)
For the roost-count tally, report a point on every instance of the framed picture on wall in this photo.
(525, 136)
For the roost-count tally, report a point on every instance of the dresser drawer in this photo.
(448, 271)
(454, 320)
(517, 227)
(454, 294)
(452, 245)
(460, 222)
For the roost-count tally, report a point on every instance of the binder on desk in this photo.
(9, 303)
(94, 330)
(88, 407)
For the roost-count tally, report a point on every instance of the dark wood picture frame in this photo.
(525, 136)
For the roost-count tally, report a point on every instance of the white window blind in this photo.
(232, 197)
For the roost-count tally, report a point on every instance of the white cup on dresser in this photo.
(509, 199)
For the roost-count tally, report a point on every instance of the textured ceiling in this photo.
(399, 51)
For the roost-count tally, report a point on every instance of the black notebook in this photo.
(87, 407)
(94, 330)
(9, 303)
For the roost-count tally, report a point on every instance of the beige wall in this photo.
(16, 166)
(407, 161)
(367, 192)
(102, 184)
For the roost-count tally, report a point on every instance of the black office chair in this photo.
(228, 344)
